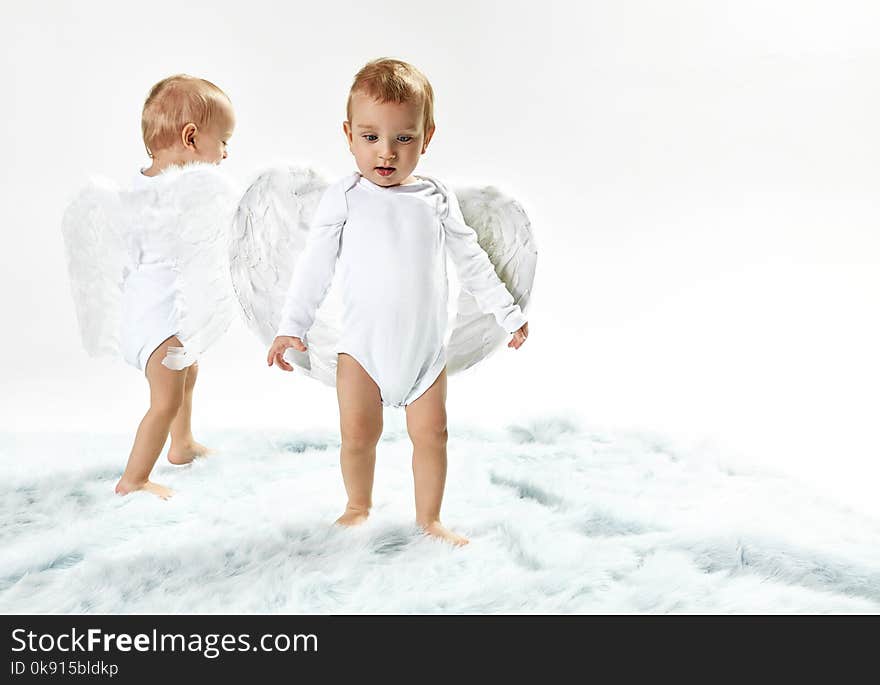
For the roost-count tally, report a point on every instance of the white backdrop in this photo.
(702, 178)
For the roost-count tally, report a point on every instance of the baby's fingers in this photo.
(276, 356)
(281, 362)
(274, 351)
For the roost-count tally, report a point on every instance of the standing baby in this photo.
(149, 265)
(390, 231)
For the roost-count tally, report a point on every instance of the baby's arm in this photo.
(477, 275)
(312, 275)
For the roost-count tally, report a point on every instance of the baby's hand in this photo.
(279, 345)
(519, 337)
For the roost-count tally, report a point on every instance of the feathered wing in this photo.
(92, 228)
(505, 233)
(204, 201)
(270, 231)
(187, 214)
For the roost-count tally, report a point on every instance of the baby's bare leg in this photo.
(360, 421)
(184, 447)
(426, 424)
(166, 397)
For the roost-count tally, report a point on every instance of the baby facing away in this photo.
(390, 231)
(149, 264)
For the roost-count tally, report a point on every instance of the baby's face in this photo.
(209, 144)
(386, 139)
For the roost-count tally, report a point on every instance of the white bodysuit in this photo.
(391, 244)
(176, 280)
(148, 315)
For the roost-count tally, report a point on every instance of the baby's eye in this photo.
(370, 138)
(404, 139)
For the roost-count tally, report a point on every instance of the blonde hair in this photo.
(175, 102)
(391, 80)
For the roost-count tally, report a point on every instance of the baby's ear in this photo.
(346, 128)
(188, 134)
(428, 136)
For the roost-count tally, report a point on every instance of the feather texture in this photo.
(152, 261)
(504, 232)
(92, 228)
(269, 234)
(191, 209)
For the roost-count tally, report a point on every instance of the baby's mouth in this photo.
(385, 170)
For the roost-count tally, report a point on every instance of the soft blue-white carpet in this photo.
(561, 520)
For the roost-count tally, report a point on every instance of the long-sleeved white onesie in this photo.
(391, 245)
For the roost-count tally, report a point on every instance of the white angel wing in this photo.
(193, 211)
(96, 262)
(269, 235)
(505, 233)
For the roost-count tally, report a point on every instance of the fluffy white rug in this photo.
(561, 520)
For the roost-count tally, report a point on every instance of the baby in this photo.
(390, 231)
(168, 315)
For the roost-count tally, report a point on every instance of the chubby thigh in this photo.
(167, 386)
(360, 404)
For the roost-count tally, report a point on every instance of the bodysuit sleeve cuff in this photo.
(514, 321)
(291, 331)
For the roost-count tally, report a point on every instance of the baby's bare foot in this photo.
(353, 517)
(124, 487)
(441, 532)
(185, 453)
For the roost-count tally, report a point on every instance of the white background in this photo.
(702, 178)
